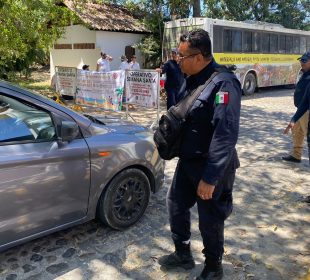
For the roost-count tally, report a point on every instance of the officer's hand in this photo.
(290, 126)
(205, 191)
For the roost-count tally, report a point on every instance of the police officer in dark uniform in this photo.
(174, 78)
(208, 160)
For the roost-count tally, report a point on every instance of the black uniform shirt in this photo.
(211, 130)
(303, 106)
(301, 86)
(174, 76)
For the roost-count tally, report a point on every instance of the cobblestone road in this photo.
(267, 236)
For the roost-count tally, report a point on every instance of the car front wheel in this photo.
(125, 199)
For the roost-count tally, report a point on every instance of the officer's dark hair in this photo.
(199, 40)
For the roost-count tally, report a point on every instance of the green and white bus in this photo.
(264, 54)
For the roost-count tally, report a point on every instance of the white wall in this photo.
(77, 34)
(114, 43)
(73, 58)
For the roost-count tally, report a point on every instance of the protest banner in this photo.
(100, 90)
(65, 80)
(142, 88)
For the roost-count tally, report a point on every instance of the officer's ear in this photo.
(202, 59)
(198, 58)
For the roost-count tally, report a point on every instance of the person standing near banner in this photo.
(124, 63)
(85, 67)
(174, 78)
(134, 65)
(103, 63)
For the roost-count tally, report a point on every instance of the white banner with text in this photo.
(65, 80)
(142, 88)
(101, 90)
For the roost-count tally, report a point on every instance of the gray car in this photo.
(59, 168)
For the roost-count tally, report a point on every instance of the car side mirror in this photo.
(69, 131)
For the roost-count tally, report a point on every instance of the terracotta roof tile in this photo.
(107, 17)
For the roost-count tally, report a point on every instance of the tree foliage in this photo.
(28, 29)
(289, 13)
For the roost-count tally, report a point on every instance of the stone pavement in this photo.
(267, 235)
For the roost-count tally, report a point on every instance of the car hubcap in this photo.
(129, 199)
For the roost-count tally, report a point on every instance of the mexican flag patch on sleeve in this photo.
(222, 97)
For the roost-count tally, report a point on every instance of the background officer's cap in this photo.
(305, 57)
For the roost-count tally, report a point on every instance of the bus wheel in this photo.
(249, 85)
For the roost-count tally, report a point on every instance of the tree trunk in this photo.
(196, 8)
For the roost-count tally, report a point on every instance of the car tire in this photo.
(249, 85)
(125, 199)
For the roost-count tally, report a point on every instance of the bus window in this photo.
(236, 41)
(270, 50)
(282, 44)
(265, 43)
(273, 43)
(289, 44)
(296, 45)
(217, 38)
(303, 44)
(247, 41)
(256, 42)
(227, 40)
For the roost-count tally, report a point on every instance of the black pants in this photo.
(212, 213)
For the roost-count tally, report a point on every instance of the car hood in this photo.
(110, 124)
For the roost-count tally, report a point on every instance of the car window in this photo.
(20, 121)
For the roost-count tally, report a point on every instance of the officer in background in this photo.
(303, 106)
(301, 126)
(174, 78)
(205, 172)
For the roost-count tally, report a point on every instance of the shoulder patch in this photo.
(222, 97)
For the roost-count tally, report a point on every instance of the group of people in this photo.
(208, 160)
(103, 63)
